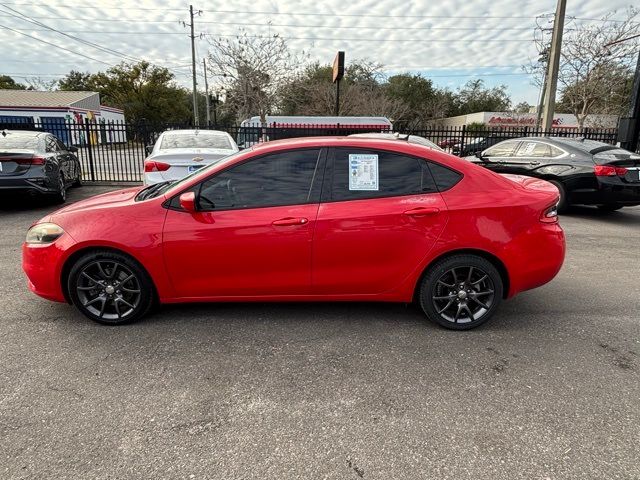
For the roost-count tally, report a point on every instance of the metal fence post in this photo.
(87, 129)
(464, 129)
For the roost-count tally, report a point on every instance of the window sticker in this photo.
(529, 148)
(363, 171)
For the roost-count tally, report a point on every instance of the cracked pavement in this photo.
(548, 389)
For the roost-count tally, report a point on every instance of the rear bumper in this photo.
(30, 185)
(535, 257)
(607, 191)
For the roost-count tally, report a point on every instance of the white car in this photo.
(177, 153)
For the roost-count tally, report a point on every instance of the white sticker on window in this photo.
(363, 171)
(529, 148)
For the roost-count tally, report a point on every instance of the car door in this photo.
(380, 215)
(252, 233)
(528, 157)
(496, 157)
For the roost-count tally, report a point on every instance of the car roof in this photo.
(197, 131)
(23, 133)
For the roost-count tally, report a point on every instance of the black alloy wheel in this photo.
(110, 288)
(461, 292)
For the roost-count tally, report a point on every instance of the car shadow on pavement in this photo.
(625, 216)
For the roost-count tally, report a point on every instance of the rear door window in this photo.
(361, 173)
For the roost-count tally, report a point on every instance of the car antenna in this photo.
(4, 132)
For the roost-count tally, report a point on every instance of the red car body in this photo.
(372, 250)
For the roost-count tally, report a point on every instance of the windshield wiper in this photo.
(154, 190)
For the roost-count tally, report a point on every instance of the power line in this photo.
(54, 45)
(414, 40)
(74, 6)
(111, 51)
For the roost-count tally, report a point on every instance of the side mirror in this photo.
(148, 149)
(479, 156)
(188, 202)
(72, 149)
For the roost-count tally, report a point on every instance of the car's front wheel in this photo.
(461, 291)
(110, 288)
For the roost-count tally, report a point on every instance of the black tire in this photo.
(473, 275)
(61, 195)
(78, 181)
(110, 288)
(563, 205)
(610, 207)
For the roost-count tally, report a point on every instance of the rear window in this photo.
(194, 140)
(23, 142)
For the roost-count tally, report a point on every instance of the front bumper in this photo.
(43, 264)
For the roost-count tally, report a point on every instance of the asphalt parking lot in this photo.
(549, 389)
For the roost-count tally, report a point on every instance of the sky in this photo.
(451, 41)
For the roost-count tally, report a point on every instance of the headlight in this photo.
(44, 233)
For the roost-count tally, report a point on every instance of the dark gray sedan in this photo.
(585, 172)
(37, 163)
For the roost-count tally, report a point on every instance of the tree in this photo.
(522, 107)
(8, 83)
(475, 97)
(595, 64)
(143, 91)
(77, 81)
(252, 69)
(417, 94)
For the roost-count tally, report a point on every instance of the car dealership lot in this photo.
(549, 388)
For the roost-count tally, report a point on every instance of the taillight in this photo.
(37, 161)
(154, 166)
(550, 214)
(609, 171)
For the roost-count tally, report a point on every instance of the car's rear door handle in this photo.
(284, 222)
(422, 211)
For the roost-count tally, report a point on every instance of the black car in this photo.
(475, 145)
(37, 163)
(586, 172)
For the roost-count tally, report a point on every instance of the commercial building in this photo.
(61, 113)
(511, 119)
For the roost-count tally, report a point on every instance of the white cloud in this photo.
(435, 38)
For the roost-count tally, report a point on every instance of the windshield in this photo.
(195, 140)
(160, 188)
(26, 142)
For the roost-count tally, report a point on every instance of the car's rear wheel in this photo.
(461, 292)
(563, 205)
(610, 207)
(61, 194)
(78, 181)
(110, 288)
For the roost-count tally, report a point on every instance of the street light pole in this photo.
(553, 66)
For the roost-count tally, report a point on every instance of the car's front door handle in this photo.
(422, 211)
(288, 221)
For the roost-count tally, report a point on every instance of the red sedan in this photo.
(325, 218)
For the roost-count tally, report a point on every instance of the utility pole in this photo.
(196, 121)
(206, 91)
(553, 66)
